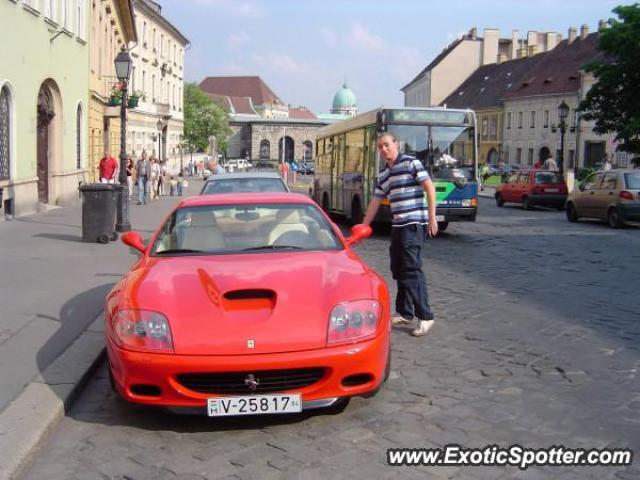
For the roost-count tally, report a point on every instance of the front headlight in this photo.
(466, 202)
(353, 321)
(142, 330)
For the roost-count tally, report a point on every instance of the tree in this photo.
(614, 100)
(203, 118)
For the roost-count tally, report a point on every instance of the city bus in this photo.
(444, 140)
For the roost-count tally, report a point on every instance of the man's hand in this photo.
(432, 228)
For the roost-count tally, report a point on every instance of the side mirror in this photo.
(134, 240)
(359, 232)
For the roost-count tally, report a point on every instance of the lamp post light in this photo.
(123, 72)
(563, 113)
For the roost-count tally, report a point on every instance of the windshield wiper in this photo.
(273, 247)
(179, 250)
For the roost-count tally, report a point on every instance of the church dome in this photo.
(344, 99)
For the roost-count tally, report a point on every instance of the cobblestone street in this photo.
(536, 342)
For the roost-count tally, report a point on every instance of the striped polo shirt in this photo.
(402, 183)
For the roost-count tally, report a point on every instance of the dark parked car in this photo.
(531, 188)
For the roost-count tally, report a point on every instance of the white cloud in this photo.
(280, 62)
(238, 39)
(361, 38)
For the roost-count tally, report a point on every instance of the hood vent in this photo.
(249, 300)
(253, 294)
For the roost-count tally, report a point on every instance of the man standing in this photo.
(550, 164)
(108, 169)
(143, 171)
(404, 181)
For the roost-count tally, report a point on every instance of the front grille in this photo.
(268, 381)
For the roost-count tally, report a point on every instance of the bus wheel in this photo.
(325, 203)
(442, 226)
(356, 211)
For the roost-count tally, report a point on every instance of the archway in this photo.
(544, 154)
(492, 157)
(308, 150)
(46, 113)
(288, 149)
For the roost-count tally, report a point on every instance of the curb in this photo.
(30, 417)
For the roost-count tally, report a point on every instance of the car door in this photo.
(605, 195)
(520, 187)
(506, 188)
(585, 200)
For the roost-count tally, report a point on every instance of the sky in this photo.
(306, 49)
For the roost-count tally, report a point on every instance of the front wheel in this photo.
(499, 200)
(572, 214)
(615, 221)
(527, 203)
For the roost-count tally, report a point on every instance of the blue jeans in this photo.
(142, 189)
(405, 251)
(179, 189)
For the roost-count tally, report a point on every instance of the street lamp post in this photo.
(563, 113)
(123, 72)
(181, 147)
(159, 125)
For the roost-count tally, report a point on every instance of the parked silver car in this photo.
(244, 182)
(613, 196)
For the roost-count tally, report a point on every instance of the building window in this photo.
(572, 158)
(505, 154)
(485, 127)
(308, 151)
(50, 9)
(66, 14)
(144, 82)
(133, 78)
(154, 40)
(153, 87)
(79, 137)
(530, 157)
(532, 120)
(80, 19)
(162, 46)
(508, 120)
(545, 119)
(493, 127)
(520, 118)
(5, 133)
(265, 150)
(144, 34)
(518, 155)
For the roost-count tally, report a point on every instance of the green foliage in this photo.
(614, 101)
(584, 173)
(203, 118)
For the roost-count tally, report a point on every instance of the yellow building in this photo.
(112, 26)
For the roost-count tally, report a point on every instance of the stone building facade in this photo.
(156, 125)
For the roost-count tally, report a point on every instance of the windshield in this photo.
(446, 152)
(234, 185)
(220, 229)
(632, 181)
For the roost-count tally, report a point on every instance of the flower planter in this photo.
(133, 102)
(115, 101)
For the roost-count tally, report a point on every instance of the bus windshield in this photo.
(446, 152)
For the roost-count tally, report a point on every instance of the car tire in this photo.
(499, 200)
(356, 211)
(442, 226)
(527, 203)
(572, 213)
(614, 219)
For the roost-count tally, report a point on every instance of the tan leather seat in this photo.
(202, 233)
(286, 221)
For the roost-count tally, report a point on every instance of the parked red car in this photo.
(211, 315)
(534, 187)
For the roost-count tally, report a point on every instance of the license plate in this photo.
(254, 405)
(551, 190)
(439, 218)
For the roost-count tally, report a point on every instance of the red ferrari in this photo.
(248, 304)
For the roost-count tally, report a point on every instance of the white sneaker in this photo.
(398, 319)
(423, 328)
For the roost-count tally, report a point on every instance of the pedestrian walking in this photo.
(108, 169)
(143, 172)
(130, 175)
(181, 183)
(606, 163)
(403, 181)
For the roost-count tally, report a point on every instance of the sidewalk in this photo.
(52, 291)
(488, 192)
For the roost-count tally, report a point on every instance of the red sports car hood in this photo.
(241, 304)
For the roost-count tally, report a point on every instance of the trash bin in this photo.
(98, 212)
